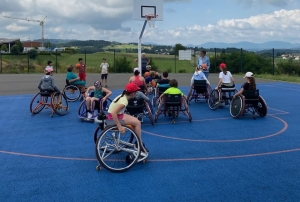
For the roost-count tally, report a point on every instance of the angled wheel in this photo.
(72, 93)
(59, 103)
(214, 99)
(149, 113)
(237, 106)
(105, 105)
(37, 103)
(82, 109)
(261, 108)
(114, 151)
(158, 111)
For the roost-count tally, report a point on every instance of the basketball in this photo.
(204, 66)
(77, 66)
(146, 74)
(153, 83)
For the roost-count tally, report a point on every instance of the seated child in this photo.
(47, 82)
(98, 95)
(173, 89)
(199, 75)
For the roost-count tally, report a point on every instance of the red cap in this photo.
(222, 65)
(131, 87)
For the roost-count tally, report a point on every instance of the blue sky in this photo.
(185, 21)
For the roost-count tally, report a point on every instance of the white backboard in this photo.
(141, 8)
(185, 54)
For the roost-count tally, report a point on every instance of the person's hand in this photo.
(121, 129)
(216, 88)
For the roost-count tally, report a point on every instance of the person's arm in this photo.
(239, 93)
(148, 61)
(192, 79)
(107, 67)
(142, 95)
(114, 115)
(40, 84)
(73, 78)
(88, 89)
(232, 81)
(108, 93)
(206, 79)
(219, 83)
(208, 63)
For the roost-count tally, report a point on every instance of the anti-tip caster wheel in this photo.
(145, 161)
(98, 167)
(173, 121)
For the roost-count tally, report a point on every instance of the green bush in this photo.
(32, 54)
(122, 65)
(15, 50)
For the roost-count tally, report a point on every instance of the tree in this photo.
(32, 53)
(178, 47)
(18, 43)
(15, 50)
(4, 47)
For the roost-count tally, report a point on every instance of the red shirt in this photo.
(82, 68)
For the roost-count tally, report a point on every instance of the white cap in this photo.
(136, 69)
(249, 74)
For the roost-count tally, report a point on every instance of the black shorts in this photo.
(103, 76)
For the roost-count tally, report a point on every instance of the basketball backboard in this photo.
(185, 54)
(141, 8)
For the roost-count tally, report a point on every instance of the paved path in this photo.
(13, 84)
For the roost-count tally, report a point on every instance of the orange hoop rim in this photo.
(151, 16)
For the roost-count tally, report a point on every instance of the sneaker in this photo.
(89, 115)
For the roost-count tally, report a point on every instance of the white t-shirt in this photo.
(225, 78)
(104, 67)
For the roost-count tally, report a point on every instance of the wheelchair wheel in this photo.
(82, 109)
(158, 111)
(187, 110)
(237, 106)
(115, 152)
(98, 132)
(36, 104)
(59, 103)
(149, 113)
(105, 105)
(72, 93)
(261, 108)
(214, 99)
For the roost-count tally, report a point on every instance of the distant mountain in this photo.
(150, 43)
(251, 46)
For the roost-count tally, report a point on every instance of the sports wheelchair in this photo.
(221, 97)
(199, 90)
(160, 89)
(115, 151)
(73, 92)
(139, 108)
(98, 105)
(251, 102)
(172, 105)
(57, 102)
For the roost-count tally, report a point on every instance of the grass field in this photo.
(19, 64)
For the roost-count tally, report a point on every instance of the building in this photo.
(28, 45)
(9, 42)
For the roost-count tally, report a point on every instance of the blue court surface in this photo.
(213, 158)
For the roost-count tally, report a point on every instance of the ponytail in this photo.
(252, 84)
(224, 70)
(120, 96)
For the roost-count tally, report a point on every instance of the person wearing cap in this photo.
(138, 80)
(47, 82)
(49, 65)
(117, 107)
(248, 85)
(203, 59)
(97, 95)
(225, 78)
(104, 71)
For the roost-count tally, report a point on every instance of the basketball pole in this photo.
(140, 48)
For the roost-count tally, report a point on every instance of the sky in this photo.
(184, 21)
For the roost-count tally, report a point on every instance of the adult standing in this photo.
(104, 71)
(203, 59)
(145, 62)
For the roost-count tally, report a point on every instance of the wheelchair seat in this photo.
(200, 86)
(251, 97)
(135, 106)
(46, 92)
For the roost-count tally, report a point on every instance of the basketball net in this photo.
(151, 20)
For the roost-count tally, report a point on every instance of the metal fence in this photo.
(268, 61)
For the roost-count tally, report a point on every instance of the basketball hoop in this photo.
(151, 20)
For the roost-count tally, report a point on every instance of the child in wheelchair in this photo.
(117, 108)
(97, 96)
(74, 79)
(199, 75)
(225, 80)
(47, 82)
(248, 85)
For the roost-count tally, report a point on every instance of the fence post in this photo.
(273, 60)
(56, 61)
(115, 60)
(175, 62)
(241, 69)
(215, 60)
(85, 57)
(1, 61)
(28, 62)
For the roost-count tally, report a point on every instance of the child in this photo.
(199, 75)
(117, 108)
(225, 78)
(47, 82)
(98, 95)
(104, 71)
(82, 70)
(173, 89)
(249, 85)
